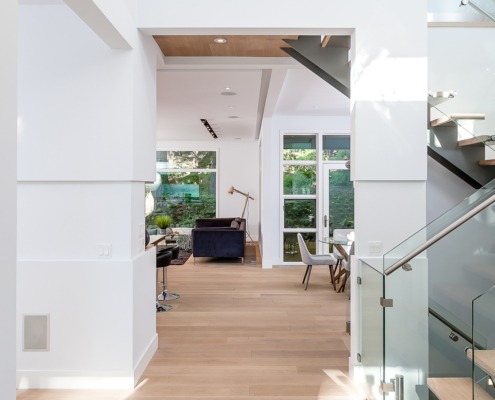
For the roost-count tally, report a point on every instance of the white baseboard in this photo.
(145, 359)
(73, 380)
(35, 379)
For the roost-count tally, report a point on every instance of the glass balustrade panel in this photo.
(438, 225)
(483, 331)
(406, 330)
(372, 330)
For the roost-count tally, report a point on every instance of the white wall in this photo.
(238, 166)
(465, 69)
(86, 146)
(444, 190)
(8, 120)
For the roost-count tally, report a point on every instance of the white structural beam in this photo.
(94, 17)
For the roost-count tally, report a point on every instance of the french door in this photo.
(337, 199)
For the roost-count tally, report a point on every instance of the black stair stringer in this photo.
(462, 161)
(452, 168)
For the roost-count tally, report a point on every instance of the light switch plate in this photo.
(104, 250)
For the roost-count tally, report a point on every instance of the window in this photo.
(185, 187)
(299, 175)
(317, 193)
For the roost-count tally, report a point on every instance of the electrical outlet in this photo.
(375, 247)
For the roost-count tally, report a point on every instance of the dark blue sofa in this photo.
(219, 237)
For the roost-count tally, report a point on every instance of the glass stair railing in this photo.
(483, 360)
(417, 312)
(484, 7)
(461, 11)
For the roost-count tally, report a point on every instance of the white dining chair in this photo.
(312, 259)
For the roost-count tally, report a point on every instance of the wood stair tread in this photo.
(485, 359)
(487, 163)
(455, 389)
(449, 120)
(475, 141)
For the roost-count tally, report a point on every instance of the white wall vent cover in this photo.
(36, 332)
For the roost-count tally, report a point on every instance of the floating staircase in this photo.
(462, 388)
(327, 58)
(452, 143)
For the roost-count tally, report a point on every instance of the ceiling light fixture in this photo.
(209, 128)
(220, 40)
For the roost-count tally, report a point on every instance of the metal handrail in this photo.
(466, 217)
(477, 7)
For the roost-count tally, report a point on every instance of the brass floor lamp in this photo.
(248, 197)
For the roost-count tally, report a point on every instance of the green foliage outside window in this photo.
(300, 213)
(341, 200)
(184, 195)
(299, 179)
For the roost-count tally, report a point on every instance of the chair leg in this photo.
(310, 267)
(344, 281)
(337, 269)
(305, 274)
(332, 275)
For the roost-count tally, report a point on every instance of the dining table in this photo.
(343, 247)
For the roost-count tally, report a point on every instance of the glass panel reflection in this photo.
(184, 196)
(299, 179)
(299, 147)
(336, 147)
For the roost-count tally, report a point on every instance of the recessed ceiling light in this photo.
(220, 40)
(233, 116)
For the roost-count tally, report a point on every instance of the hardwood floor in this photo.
(242, 333)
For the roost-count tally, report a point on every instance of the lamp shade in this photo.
(231, 190)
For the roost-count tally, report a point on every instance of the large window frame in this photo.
(288, 243)
(289, 253)
(190, 195)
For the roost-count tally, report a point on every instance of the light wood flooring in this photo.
(242, 333)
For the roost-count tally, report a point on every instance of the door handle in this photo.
(325, 221)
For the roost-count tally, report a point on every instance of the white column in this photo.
(8, 144)
(86, 148)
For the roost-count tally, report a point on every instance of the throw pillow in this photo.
(234, 224)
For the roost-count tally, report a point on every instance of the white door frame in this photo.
(323, 228)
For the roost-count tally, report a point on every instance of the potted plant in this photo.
(163, 222)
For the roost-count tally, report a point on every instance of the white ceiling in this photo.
(188, 93)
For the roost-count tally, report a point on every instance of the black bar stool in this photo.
(164, 258)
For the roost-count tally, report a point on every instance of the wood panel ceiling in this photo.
(236, 46)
